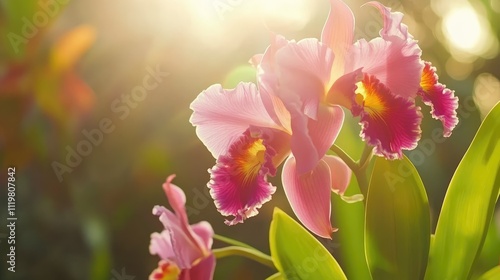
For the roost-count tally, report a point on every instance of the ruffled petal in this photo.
(221, 116)
(393, 23)
(443, 102)
(389, 123)
(395, 63)
(309, 196)
(337, 34)
(340, 172)
(238, 181)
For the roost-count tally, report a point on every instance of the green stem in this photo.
(360, 173)
(366, 157)
(244, 252)
(231, 241)
(359, 167)
(362, 182)
(345, 157)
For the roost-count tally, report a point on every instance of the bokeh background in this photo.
(70, 68)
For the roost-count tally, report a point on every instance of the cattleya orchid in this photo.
(184, 249)
(377, 80)
(293, 114)
(249, 145)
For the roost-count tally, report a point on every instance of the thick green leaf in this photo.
(490, 253)
(276, 276)
(468, 205)
(297, 254)
(350, 219)
(492, 274)
(397, 226)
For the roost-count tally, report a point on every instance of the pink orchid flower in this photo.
(377, 80)
(249, 144)
(184, 249)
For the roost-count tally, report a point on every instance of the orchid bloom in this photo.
(185, 250)
(249, 143)
(377, 80)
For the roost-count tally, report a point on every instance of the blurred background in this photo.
(94, 110)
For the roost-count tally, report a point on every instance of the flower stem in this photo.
(366, 157)
(231, 241)
(360, 173)
(359, 167)
(345, 157)
(252, 254)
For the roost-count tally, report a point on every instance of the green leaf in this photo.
(490, 253)
(492, 274)
(468, 205)
(276, 276)
(350, 219)
(397, 226)
(297, 254)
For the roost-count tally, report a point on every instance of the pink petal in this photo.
(176, 199)
(340, 172)
(443, 102)
(389, 123)
(267, 61)
(343, 89)
(393, 23)
(309, 196)
(202, 271)
(301, 143)
(205, 232)
(325, 130)
(304, 72)
(161, 245)
(394, 63)
(312, 138)
(338, 34)
(221, 116)
(238, 182)
(256, 59)
(268, 82)
(185, 246)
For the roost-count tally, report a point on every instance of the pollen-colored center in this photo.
(250, 158)
(368, 96)
(166, 271)
(428, 79)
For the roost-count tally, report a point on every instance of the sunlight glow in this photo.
(462, 28)
(468, 32)
(486, 92)
(294, 14)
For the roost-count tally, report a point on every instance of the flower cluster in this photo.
(293, 115)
